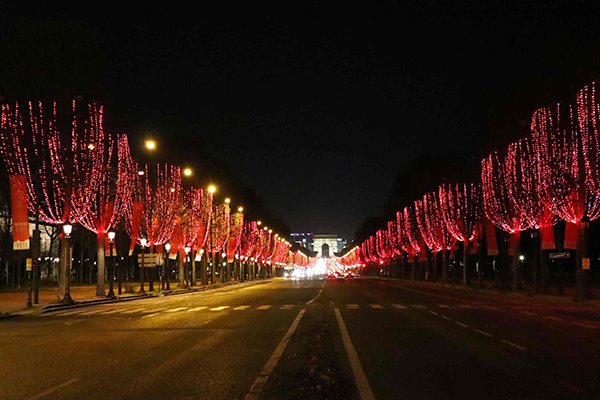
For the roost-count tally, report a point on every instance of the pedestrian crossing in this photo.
(150, 312)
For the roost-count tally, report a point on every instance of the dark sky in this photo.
(318, 107)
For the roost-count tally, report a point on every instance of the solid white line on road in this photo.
(317, 296)
(443, 306)
(221, 308)
(151, 315)
(419, 307)
(261, 380)
(513, 345)
(376, 306)
(241, 308)
(461, 324)
(399, 307)
(287, 307)
(177, 309)
(265, 307)
(362, 384)
(197, 309)
(449, 319)
(54, 389)
(434, 313)
(483, 333)
(352, 306)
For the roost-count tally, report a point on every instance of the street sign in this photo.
(585, 263)
(560, 255)
(28, 265)
(149, 260)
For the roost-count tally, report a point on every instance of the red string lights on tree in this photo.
(236, 226)
(434, 231)
(461, 207)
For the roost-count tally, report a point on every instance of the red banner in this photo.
(513, 242)
(231, 248)
(492, 241)
(571, 235)
(176, 239)
(136, 220)
(18, 196)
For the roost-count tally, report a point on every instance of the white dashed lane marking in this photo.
(241, 308)
(352, 306)
(512, 344)
(483, 333)
(287, 307)
(399, 307)
(197, 309)
(221, 308)
(376, 306)
(264, 307)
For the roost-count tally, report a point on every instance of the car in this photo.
(349, 275)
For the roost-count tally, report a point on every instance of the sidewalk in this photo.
(527, 294)
(14, 301)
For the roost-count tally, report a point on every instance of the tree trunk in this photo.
(180, 255)
(516, 260)
(193, 279)
(101, 264)
(204, 267)
(466, 275)
(445, 261)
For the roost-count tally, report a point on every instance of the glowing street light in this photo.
(187, 172)
(150, 144)
(212, 189)
(227, 200)
(240, 209)
(259, 223)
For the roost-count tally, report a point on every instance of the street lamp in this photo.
(143, 242)
(187, 172)
(65, 263)
(166, 266)
(111, 278)
(150, 144)
(186, 267)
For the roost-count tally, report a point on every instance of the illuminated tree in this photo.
(219, 233)
(461, 207)
(434, 231)
(236, 226)
(411, 239)
(568, 169)
(510, 197)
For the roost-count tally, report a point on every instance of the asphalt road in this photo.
(306, 339)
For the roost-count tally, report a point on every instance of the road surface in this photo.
(306, 339)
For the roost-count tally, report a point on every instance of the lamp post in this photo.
(111, 276)
(186, 266)
(143, 242)
(65, 265)
(166, 267)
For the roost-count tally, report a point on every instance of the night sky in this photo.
(317, 107)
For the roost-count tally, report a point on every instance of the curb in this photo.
(8, 316)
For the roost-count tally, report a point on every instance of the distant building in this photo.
(303, 239)
(323, 245)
